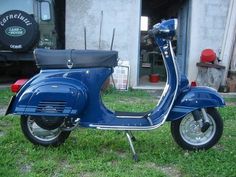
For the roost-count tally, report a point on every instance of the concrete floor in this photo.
(144, 83)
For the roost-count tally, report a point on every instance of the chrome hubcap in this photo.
(190, 130)
(40, 133)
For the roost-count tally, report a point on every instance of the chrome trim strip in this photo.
(176, 23)
(108, 127)
(132, 117)
(149, 120)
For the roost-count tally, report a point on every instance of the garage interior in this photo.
(152, 71)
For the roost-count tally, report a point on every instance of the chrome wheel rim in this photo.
(40, 133)
(190, 130)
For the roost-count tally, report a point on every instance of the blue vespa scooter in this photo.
(66, 94)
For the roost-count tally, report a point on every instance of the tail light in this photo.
(17, 85)
(193, 83)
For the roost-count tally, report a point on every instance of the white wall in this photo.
(123, 15)
(227, 53)
(207, 26)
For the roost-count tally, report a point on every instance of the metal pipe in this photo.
(100, 32)
(85, 42)
(113, 36)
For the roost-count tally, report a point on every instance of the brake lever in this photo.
(146, 37)
(149, 35)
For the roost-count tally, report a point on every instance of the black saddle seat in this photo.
(59, 59)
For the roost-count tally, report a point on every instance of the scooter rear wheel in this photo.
(187, 132)
(39, 136)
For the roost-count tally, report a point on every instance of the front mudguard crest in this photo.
(193, 99)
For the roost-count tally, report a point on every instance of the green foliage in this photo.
(129, 101)
(89, 152)
(5, 94)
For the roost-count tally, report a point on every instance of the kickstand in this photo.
(130, 138)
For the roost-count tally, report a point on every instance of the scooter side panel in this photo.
(14, 107)
(50, 95)
(55, 99)
(195, 98)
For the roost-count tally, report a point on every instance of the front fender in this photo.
(195, 98)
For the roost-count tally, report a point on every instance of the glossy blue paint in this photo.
(165, 103)
(76, 93)
(195, 98)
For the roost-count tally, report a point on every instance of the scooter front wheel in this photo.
(188, 133)
(40, 136)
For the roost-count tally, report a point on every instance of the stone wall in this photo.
(207, 27)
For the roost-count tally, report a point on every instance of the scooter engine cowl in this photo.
(57, 100)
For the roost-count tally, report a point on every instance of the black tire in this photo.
(19, 31)
(216, 130)
(59, 138)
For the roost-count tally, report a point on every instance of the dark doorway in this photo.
(60, 11)
(151, 64)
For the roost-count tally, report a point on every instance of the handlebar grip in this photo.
(146, 37)
(149, 35)
(151, 32)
